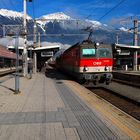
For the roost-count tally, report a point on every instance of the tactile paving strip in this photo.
(90, 124)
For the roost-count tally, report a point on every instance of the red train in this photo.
(88, 62)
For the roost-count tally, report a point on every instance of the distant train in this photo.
(88, 62)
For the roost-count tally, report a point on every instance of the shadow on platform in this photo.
(13, 90)
(55, 74)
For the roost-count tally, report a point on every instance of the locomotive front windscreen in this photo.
(105, 52)
(90, 52)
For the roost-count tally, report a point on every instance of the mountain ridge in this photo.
(63, 24)
(12, 14)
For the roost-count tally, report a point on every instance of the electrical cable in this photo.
(118, 4)
(100, 2)
(111, 10)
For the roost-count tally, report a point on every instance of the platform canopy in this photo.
(13, 47)
(36, 49)
(47, 47)
(127, 46)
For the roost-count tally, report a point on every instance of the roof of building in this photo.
(6, 53)
(127, 46)
(48, 47)
(38, 48)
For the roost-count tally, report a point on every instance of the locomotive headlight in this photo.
(106, 68)
(85, 68)
(97, 44)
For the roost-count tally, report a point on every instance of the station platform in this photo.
(4, 71)
(129, 77)
(51, 107)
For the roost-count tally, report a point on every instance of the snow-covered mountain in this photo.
(9, 17)
(12, 14)
(60, 23)
(124, 29)
(58, 16)
(64, 19)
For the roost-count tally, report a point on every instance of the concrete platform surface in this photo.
(49, 109)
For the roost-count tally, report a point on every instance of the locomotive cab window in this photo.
(104, 52)
(88, 52)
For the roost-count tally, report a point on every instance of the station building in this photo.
(39, 55)
(124, 56)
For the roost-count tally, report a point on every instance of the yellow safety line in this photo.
(88, 98)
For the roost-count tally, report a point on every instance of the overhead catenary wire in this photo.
(97, 3)
(118, 4)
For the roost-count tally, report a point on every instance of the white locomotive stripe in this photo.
(90, 69)
(96, 69)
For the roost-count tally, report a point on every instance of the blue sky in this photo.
(89, 9)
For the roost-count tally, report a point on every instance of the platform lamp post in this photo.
(34, 46)
(30, 63)
(135, 43)
(17, 65)
(25, 65)
(16, 36)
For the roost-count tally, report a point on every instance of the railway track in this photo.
(129, 106)
(130, 83)
(3, 73)
(7, 71)
(6, 77)
(6, 74)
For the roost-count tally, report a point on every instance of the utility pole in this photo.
(17, 65)
(38, 39)
(135, 43)
(3, 30)
(35, 56)
(117, 39)
(16, 34)
(25, 63)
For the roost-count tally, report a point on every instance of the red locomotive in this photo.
(88, 62)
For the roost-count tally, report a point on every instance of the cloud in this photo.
(9, 41)
(123, 29)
